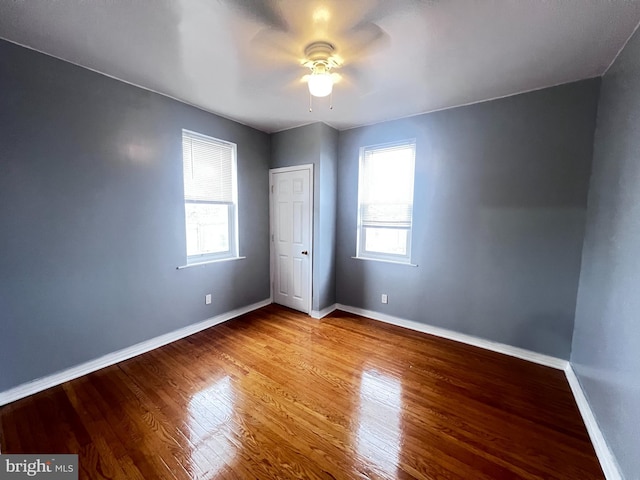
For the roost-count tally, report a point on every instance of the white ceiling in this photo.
(241, 58)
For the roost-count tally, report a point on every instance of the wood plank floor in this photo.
(276, 394)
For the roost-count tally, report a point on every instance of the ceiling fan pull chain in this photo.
(310, 102)
(331, 100)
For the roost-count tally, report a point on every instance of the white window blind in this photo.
(386, 201)
(209, 168)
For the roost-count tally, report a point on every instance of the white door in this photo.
(291, 225)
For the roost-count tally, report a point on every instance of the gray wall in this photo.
(499, 217)
(92, 219)
(326, 280)
(315, 144)
(606, 341)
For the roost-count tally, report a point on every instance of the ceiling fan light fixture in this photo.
(320, 61)
(320, 82)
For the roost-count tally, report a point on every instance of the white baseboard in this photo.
(40, 384)
(521, 353)
(324, 312)
(605, 456)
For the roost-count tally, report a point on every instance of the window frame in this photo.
(233, 252)
(361, 251)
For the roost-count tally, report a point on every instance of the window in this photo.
(385, 201)
(210, 197)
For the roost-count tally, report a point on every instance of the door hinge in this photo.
(271, 188)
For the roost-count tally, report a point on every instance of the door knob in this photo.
(304, 252)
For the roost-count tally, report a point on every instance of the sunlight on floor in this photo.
(379, 436)
(210, 419)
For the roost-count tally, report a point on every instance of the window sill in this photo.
(386, 261)
(200, 264)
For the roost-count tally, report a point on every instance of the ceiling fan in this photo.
(321, 59)
(317, 43)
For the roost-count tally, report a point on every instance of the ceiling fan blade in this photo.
(270, 46)
(386, 8)
(355, 78)
(266, 12)
(272, 80)
(363, 40)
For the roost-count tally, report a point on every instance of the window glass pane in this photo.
(385, 240)
(385, 194)
(387, 177)
(207, 228)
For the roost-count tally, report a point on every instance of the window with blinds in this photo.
(210, 199)
(385, 201)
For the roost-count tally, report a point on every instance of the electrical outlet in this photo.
(385, 298)
(207, 299)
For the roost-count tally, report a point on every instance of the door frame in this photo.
(272, 171)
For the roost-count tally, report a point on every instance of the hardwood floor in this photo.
(276, 394)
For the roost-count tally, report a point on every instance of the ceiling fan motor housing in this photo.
(319, 52)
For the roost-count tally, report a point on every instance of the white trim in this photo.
(293, 168)
(517, 352)
(272, 172)
(313, 122)
(324, 312)
(604, 453)
(200, 264)
(361, 225)
(35, 386)
(395, 262)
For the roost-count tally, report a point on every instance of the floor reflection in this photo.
(210, 421)
(379, 436)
